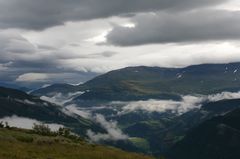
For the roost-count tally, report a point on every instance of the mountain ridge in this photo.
(142, 82)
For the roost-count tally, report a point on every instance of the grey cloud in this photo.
(74, 110)
(38, 15)
(185, 27)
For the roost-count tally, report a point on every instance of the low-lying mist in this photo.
(100, 113)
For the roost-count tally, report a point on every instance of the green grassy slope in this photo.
(25, 144)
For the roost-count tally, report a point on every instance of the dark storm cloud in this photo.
(41, 14)
(186, 27)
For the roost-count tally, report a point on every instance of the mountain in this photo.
(216, 138)
(140, 83)
(120, 95)
(20, 143)
(15, 102)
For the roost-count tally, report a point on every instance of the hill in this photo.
(23, 144)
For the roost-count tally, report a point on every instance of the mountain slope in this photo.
(213, 139)
(152, 82)
(135, 83)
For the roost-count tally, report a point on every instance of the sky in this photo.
(71, 41)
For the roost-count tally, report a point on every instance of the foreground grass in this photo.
(24, 144)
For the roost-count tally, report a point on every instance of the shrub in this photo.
(42, 129)
(6, 125)
(64, 132)
(1, 125)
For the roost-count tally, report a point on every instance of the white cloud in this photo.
(113, 132)
(27, 123)
(69, 109)
(187, 103)
(32, 77)
(72, 109)
(232, 5)
(224, 95)
(29, 102)
(60, 98)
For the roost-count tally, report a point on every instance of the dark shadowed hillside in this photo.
(15, 102)
(214, 139)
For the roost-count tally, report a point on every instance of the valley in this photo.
(119, 79)
(136, 121)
